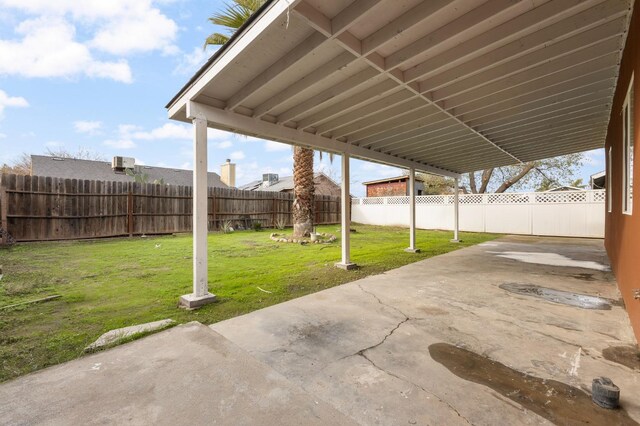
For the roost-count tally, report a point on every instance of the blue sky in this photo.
(97, 74)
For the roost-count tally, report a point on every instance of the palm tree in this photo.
(303, 191)
(232, 17)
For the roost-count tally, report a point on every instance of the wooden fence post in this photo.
(130, 212)
(4, 207)
(273, 210)
(213, 209)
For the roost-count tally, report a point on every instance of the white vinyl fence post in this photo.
(456, 211)
(412, 212)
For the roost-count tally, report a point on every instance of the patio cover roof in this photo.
(442, 86)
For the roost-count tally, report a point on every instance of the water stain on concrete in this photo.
(558, 296)
(628, 356)
(583, 277)
(555, 401)
(551, 259)
(432, 310)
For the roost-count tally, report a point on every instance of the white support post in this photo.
(456, 211)
(412, 212)
(200, 295)
(345, 215)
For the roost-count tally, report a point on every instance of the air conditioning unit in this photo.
(122, 163)
(269, 179)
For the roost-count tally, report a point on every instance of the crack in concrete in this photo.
(451, 407)
(381, 302)
(362, 353)
(384, 339)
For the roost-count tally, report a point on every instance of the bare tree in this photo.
(81, 154)
(435, 185)
(20, 166)
(533, 174)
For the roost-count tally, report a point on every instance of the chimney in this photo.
(228, 174)
(269, 179)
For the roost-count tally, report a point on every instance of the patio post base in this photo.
(412, 250)
(191, 301)
(454, 240)
(347, 266)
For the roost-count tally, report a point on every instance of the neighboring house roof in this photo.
(564, 188)
(285, 183)
(70, 168)
(391, 179)
(598, 180)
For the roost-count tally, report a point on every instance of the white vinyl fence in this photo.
(566, 213)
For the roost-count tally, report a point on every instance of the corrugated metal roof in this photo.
(445, 86)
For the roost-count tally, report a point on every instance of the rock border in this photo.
(281, 238)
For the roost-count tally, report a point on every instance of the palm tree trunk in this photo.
(303, 190)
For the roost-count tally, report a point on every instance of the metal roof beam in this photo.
(538, 90)
(229, 120)
(512, 30)
(354, 45)
(599, 90)
(379, 91)
(355, 122)
(588, 23)
(344, 88)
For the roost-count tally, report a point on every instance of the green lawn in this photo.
(112, 283)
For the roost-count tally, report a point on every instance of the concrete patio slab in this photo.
(186, 375)
(364, 346)
(370, 352)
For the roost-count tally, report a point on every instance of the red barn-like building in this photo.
(391, 187)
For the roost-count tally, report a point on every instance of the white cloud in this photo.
(7, 101)
(216, 134)
(237, 155)
(166, 131)
(272, 146)
(120, 143)
(138, 29)
(224, 144)
(3, 136)
(170, 131)
(90, 127)
(127, 129)
(46, 44)
(594, 157)
(192, 61)
(48, 49)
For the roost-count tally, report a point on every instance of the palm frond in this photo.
(215, 39)
(232, 17)
(331, 156)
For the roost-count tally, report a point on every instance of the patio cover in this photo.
(440, 86)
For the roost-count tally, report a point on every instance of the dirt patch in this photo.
(628, 356)
(555, 401)
(578, 300)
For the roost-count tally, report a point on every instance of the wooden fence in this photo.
(36, 208)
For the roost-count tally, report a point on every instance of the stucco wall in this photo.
(622, 232)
